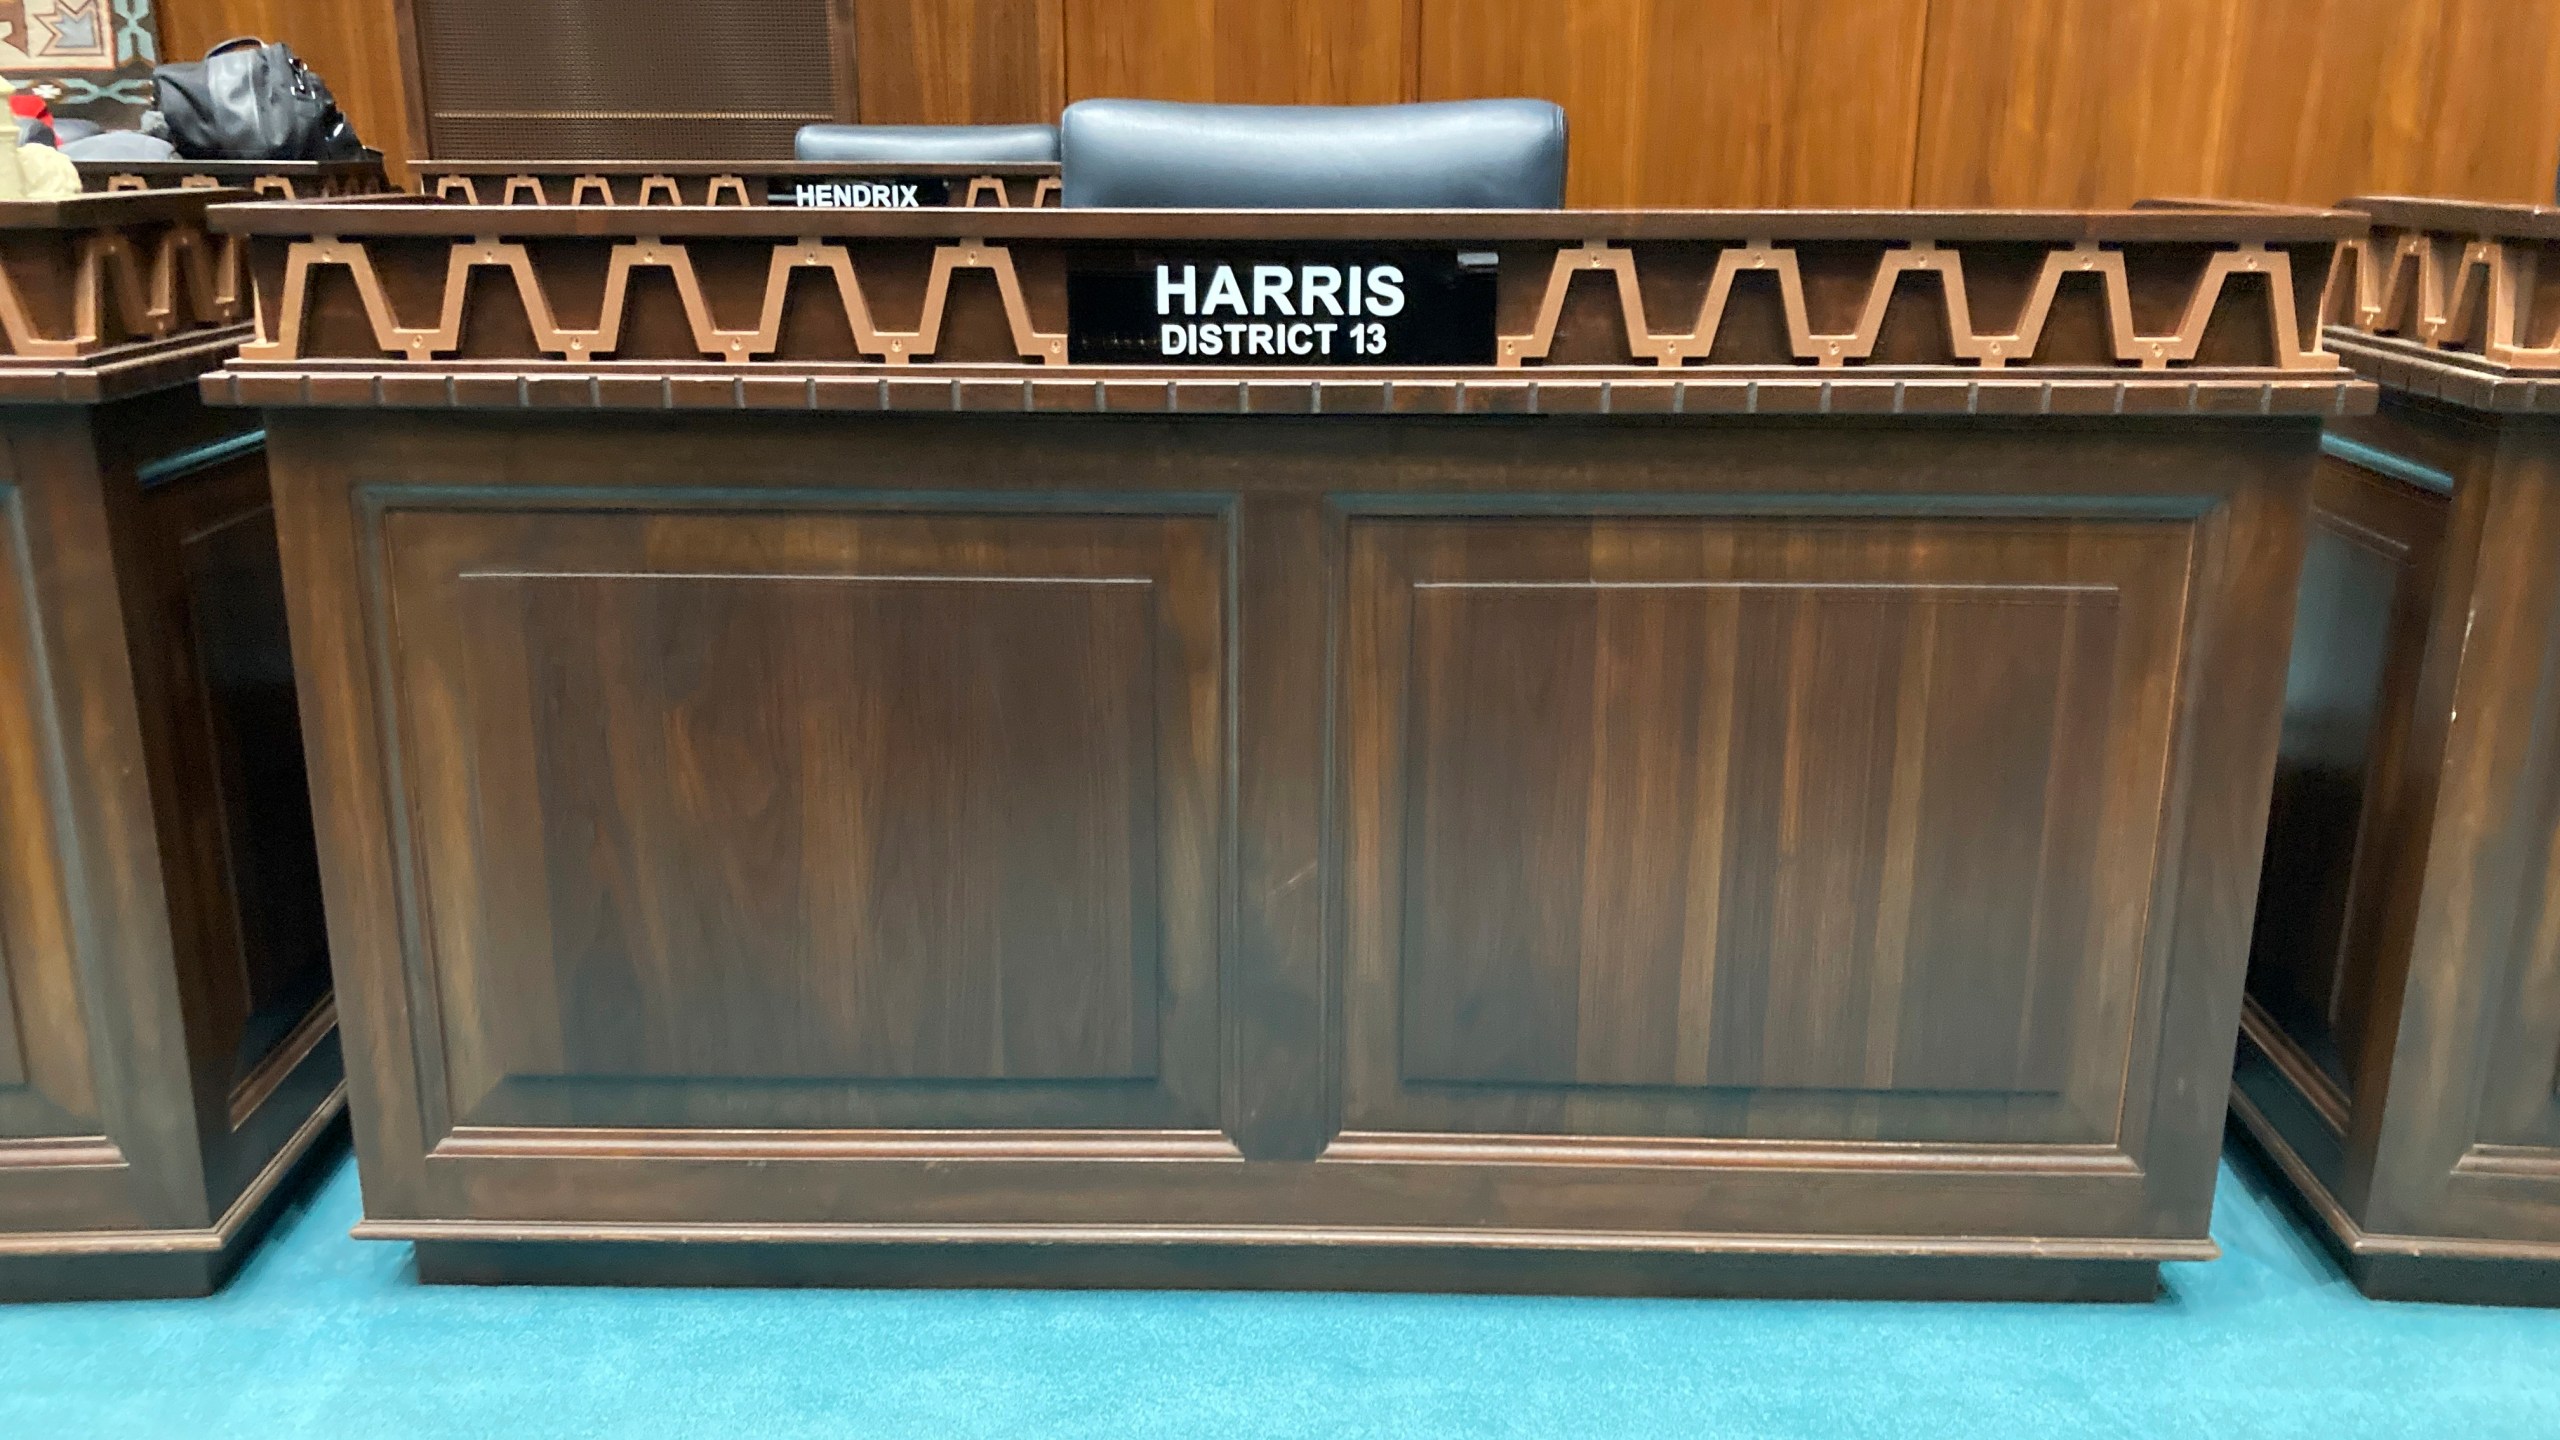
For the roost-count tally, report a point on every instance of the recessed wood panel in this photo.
(1701, 102)
(2336, 823)
(47, 1086)
(1251, 52)
(2519, 1101)
(1903, 858)
(816, 801)
(1715, 827)
(254, 913)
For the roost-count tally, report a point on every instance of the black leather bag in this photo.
(248, 100)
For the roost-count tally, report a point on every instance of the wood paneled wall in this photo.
(1834, 102)
(1261, 52)
(959, 62)
(2096, 101)
(1701, 102)
(1733, 102)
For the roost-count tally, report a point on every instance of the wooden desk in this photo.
(280, 179)
(1757, 788)
(168, 1051)
(2404, 1005)
(713, 182)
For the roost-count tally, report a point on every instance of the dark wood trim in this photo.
(428, 171)
(2474, 218)
(184, 1265)
(1298, 1237)
(283, 179)
(2407, 367)
(1559, 391)
(102, 209)
(140, 368)
(1879, 1276)
(2299, 1070)
(277, 1066)
(2402, 1267)
(2006, 316)
(2051, 227)
(661, 186)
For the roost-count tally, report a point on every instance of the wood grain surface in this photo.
(1715, 102)
(1251, 52)
(1671, 102)
(959, 62)
(1454, 834)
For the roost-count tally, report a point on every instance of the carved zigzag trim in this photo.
(145, 292)
(1992, 351)
(738, 346)
(2365, 292)
(284, 339)
(282, 187)
(987, 190)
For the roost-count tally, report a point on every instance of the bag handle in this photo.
(233, 43)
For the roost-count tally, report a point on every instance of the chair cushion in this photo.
(121, 145)
(926, 144)
(1448, 155)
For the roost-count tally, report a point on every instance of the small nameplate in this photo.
(854, 192)
(1333, 308)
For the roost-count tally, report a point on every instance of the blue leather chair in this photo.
(1448, 155)
(926, 144)
(127, 146)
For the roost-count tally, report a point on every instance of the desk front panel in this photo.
(1456, 831)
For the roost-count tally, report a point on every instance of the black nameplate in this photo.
(1296, 307)
(858, 192)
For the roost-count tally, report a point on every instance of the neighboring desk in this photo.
(168, 1049)
(710, 182)
(277, 179)
(1756, 786)
(2404, 1013)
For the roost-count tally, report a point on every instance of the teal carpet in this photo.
(327, 1337)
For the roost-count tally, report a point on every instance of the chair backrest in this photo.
(926, 144)
(1446, 155)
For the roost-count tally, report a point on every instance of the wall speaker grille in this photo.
(623, 79)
